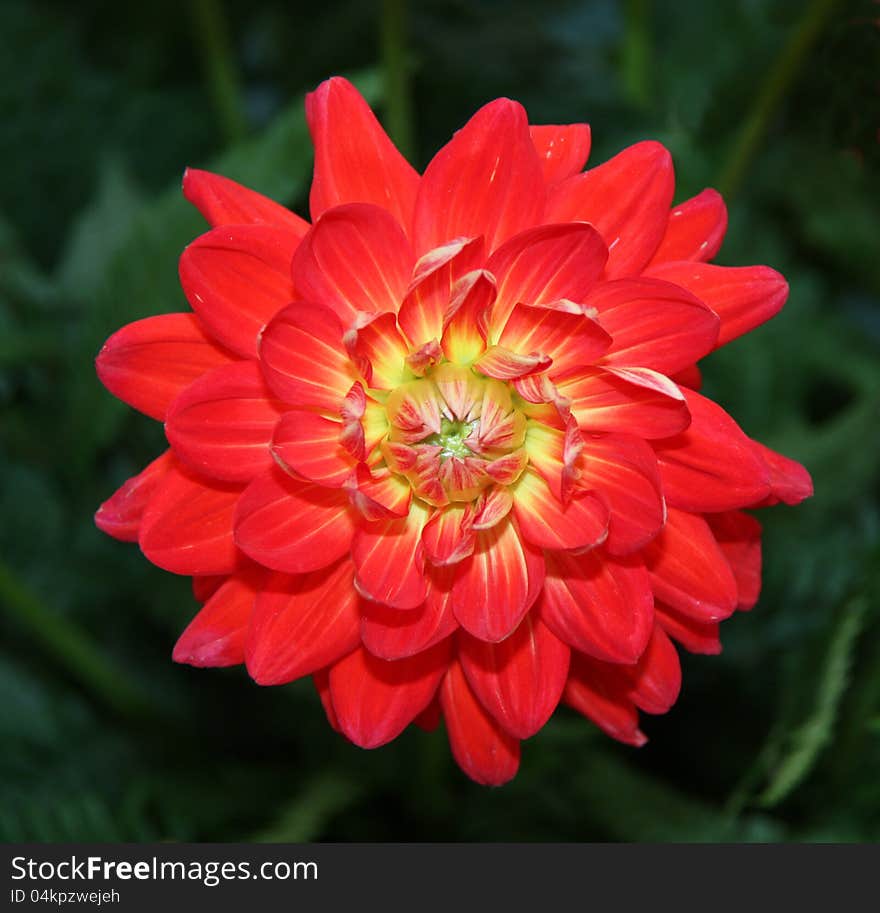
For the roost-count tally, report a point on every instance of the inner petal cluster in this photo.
(453, 434)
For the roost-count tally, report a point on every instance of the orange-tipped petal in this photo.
(302, 623)
(355, 161)
(222, 424)
(483, 750)
(237, 278)
(383, 348)
(520, 680)
(148, 362)
(627, 198)
(224, 202)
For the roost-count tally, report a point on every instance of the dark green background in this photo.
(102, 104)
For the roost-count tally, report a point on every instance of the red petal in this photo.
(627, 198)
(290, 526)
(204, 587)
(380, 346)
(544, 265)
(309, 446)
(383, 496)
(609, 400)
(222, 424)
(395, 634)
(739, 536)
(654, 324)
(303, 623)
(562, 149)
(567, 339)
(355, 259)
(599, 605)
(435, 275)
(656, 678)
(520, 680)
(321, 681)
(743, 297)
(223, 202)
(789, 481)
(216, 636)
(694, 636)
(623, 470)
(448, 537)
(120, 515)
(695, 229)
(355, 161)
(503, 364)
(548, 523)
(187, 526)
(147, 363)
(712, 466)
(498, 584)
(390, 560)
(376, 699)
(236, 279)
(303, 359)
(482, 749)
(486, 181)
(689, 571)
(601, 693)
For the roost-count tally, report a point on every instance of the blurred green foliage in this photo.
(103, 104)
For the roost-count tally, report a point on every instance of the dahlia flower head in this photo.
(442, 449)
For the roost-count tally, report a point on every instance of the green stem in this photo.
(396, 72)
(71, 648)
(636, 52)
(777, 83)
(218, 63)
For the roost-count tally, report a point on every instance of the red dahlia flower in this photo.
(443, 449)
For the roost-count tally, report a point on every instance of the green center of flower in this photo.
(453, 434)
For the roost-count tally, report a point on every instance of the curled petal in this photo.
(355, 161)
(291, 526)
(236, 278)
(519, 680)
(464, 324)
(147, 363)
(383, 348)
(223, 202)
(356, 259)
(562, 149)
(376, 699)
(695, 229)
(503, 364)
(222, 424)
(216, 636)
(309, 446)
(544, 265)
(448, 537)
(598, 605)
(486, 181)
(120, 515)
(627, 198)
(379, 495)
(302, 623)
(483, 750)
